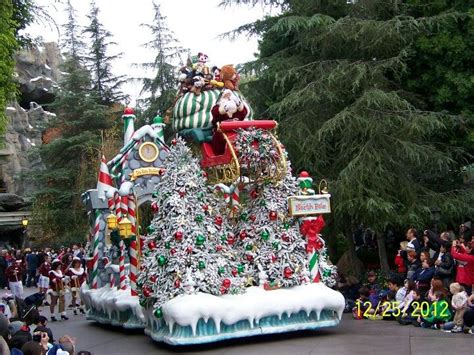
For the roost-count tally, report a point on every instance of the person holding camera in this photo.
(464, 255)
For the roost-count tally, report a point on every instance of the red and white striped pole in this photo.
(95, 253)
(122, 285)
(104, 182)
(118, 206)
(112, 280)
(132, 214)
(133, 267)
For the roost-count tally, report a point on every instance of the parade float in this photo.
(234, 248)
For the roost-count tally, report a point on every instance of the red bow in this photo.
(311, 230)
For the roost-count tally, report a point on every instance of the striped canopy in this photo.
(194, 111)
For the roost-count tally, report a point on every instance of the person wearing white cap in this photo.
(77, 275)
(14, 275)
(56, 284)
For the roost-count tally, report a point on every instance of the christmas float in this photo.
(234, 248)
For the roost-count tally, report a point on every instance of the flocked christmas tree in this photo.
(190, 246)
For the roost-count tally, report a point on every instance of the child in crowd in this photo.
(409, 297)
(459, 304)
(444, 264)
(399, 261)
(373, 286)
(407, 317)
(42, 325)
(436, 286)
(400, 292)
(438, 314)
(363, 305)
(424, 275)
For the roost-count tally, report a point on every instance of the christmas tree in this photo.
(189, 247)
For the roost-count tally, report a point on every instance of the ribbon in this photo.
(311, 229)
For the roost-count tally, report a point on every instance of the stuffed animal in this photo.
(198, 84)
(199, 63)
(230, 77)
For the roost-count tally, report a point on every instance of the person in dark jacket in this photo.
(424, 275)
(431, 243)
(32, 264)
(444, 264)
(3, 269)
(413, 264)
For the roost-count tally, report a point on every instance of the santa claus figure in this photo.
(228, 107)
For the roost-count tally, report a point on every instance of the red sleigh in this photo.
(219, 157)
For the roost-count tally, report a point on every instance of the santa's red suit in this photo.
(218, 117)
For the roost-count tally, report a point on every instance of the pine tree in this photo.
(78, 123)
(161, 88)
(332, 74)
(189, 248)
(74, 46)
(99, 62)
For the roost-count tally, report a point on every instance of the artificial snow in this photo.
(30, 126)
(40, 78)
(255, 304)
(47, 67)
(11, 109)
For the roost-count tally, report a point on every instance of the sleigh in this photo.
(220, 156)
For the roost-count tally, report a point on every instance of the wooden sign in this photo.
(145, 171)
(309, 205)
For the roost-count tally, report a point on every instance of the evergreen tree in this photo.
(332, 74)
(79, 123)
(161, 88)
(99, 62)
(189, 248)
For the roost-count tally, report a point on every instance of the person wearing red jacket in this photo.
(464, 255)
(57, 290)
(14, 274)
(43, 270)
(77, 276)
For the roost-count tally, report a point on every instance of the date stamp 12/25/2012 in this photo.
(386, 309)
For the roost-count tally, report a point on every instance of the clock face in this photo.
(148, 152)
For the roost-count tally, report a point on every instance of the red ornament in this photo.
(172, 251)
(230, 240)
(287, 272)
(151, 245)
(154, 207)
(243, 235)
(249, 257)
(304, 174)
(274, 258)
(254, 194)
(218, 220)
(234, 272)
(128, 111)
(218, 247)
(189, 250)
(177, 283)
(153, 278)
(205, 207)
(182, 194)
(273, 216)
(253, 217)
(226, 283)
(285, 237)
(204, 174)
(223, 290)
(174, 141)
(178, 236)
(147, 291)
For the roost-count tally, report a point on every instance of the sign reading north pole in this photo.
(309, 205)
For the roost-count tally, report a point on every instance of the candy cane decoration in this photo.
(310, 228)
(133, 267)
(95, 255)
(124, 205)
(112, 280)
(132, 213)
(122, 284)
(226, 190)
(118, 208)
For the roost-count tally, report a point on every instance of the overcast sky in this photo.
(196, 24)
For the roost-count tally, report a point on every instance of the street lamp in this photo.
(125, 228)
(24, 223)
(435, 217)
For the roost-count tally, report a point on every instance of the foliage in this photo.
(8, 44)
(335, 76)
(105, 83)
(161, 88)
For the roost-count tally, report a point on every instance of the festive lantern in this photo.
(125, 228)
(112, 221)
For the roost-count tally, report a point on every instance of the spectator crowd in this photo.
(431, 288)
(55, 273)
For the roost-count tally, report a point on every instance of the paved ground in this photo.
(350, 337)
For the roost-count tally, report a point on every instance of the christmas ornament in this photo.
(153, 278)
(173, 251)
(147, 291)
(128, 111)
(220, 269)
(154, 195)
(200, 239)
(244, 216)
(154, 207)
(240, 268)
(162, 260)
(199, 218)
(182, 193)
(204, 174)
(167, 245)
(249, 257)
(275, 245)
(254, 194)
(248, 247)
(174, 141)
(287, 272)
(265, 235)
(223, 238)
(274, 258)
(151, 245)
(150, 229)
(201, 265)
(218, 220)
(189, 250)
(218, 247)
(205, 207)
(253, 217)
(177, 283)
(230, 239)
(286, 225)
(178, 236)
(223, 290)
(158, 312)
(285, 237)
(226, 283)
(273, 216)
(243, 235)
(234, 272)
